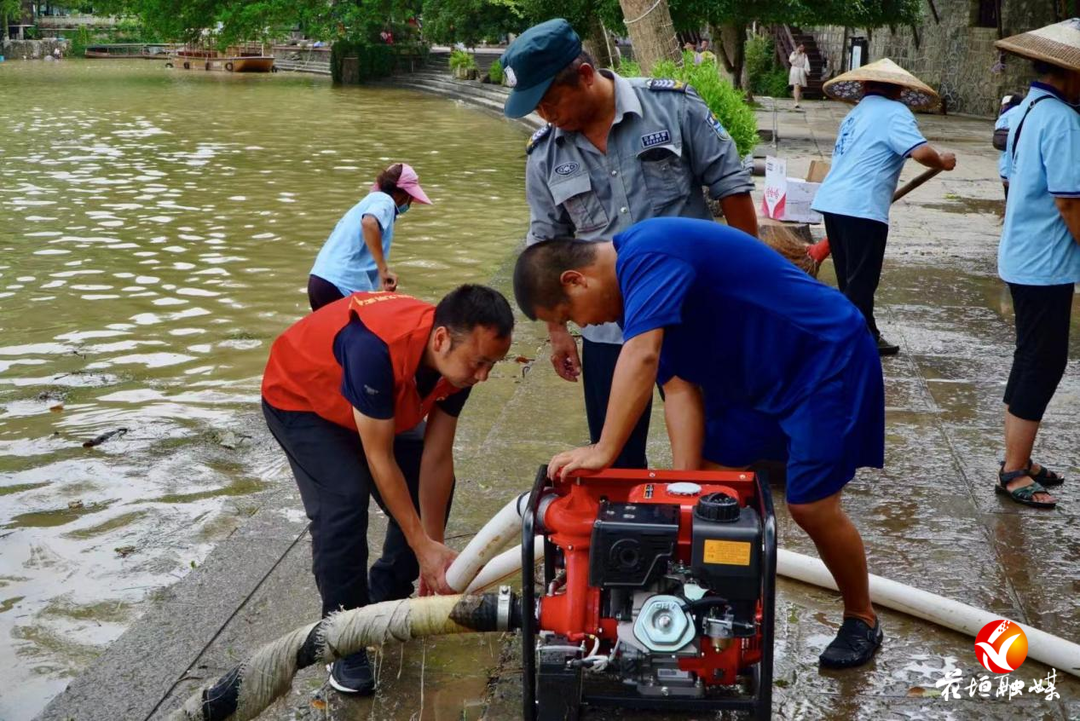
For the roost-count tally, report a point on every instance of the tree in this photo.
(470, 21)
(232, 20)
(652, 32)
(9, 10)
(732, 17)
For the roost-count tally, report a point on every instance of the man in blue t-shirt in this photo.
(758, 361)
(874, 141)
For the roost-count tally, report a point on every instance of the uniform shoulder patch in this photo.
(718, 127)
(667, 84)
(537, 137)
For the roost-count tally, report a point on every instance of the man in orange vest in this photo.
(346, 393)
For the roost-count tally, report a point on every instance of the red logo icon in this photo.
(1001, 646)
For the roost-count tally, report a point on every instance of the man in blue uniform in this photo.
(758, 361)
(617, 150)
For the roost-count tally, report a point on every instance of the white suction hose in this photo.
(503, 567)
(1051, 650)
(496, 533)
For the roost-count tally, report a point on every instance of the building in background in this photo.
(952, 48)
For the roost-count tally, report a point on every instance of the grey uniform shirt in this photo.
(663, 146)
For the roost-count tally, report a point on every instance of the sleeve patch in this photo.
(667, 84)
(537, 137)
(718, 127)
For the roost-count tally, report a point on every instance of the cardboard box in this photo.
(818, 170)
(787, 199)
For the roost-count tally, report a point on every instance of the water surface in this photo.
(156, 228)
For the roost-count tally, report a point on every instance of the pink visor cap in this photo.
(410, 183)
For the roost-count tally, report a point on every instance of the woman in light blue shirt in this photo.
(355, 256)
(1039, 255)
(875, 140)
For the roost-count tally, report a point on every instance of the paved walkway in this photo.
(930, 519)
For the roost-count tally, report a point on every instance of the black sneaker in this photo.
(353, 674)
(884, 347)
(855, 644)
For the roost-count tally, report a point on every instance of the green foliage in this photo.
(374, 59)
(267, 20)
(461, 60)
(471, 21)
(723, 100)
(692, 14)
(764, 73)
(495, 73)
(79, 40)
(10, 10)
(629, 69)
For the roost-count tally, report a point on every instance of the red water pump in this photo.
(658, 593)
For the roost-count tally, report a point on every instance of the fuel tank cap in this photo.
(683, 488)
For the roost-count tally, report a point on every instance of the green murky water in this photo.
(156, 230)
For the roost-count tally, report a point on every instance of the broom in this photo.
(818, 252)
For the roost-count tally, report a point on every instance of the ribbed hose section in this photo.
(245, 691)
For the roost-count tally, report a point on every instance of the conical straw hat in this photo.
(1057, 44)
(849, 86)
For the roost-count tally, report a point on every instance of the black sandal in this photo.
(1045, 476)
(1024, 495)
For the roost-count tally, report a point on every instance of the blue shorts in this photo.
(836, 429)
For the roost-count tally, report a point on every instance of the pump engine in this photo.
(658, 593)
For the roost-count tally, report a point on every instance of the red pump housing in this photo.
(566, 511)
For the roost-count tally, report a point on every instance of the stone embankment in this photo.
(33, 49)
(435, 78)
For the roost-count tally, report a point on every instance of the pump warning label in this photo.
(727, 553)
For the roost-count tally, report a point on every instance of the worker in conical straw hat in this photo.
(1039, 255)
(874, 141)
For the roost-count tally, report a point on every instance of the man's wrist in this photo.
(605, 450)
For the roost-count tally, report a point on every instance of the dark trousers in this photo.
(336, 487)
(858, 250)
(321, 291)
(1043, 313)
(597, 369)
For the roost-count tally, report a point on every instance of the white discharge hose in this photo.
(1051, 650)
(496, 533)
(503, 567)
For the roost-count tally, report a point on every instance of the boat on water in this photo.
(236, 59)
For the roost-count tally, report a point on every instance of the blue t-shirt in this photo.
(874, 140)
(345, 259)
(1005, 121)
(367, 379)
(1036, 245)
(739, 320)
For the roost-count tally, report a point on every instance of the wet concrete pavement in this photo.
(929, 519)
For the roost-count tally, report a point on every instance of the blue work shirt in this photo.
(1036, 245)
(344, 259)
(1004, 122)
(740, 321)
(875, 139)
(664, 145)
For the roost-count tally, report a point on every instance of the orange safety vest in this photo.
(302, 373)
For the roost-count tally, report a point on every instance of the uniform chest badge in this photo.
(660, 137)
(566, 168)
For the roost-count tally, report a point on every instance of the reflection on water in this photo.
(157, 228)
